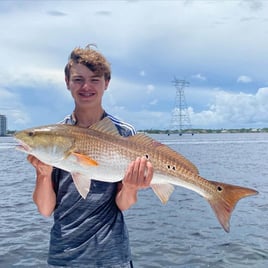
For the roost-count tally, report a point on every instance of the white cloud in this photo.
(11, 106)
(234, 110)
(154, 102)
(142, 73)
(225, 110)
(199, 77)
(244, 79)
(150, 89)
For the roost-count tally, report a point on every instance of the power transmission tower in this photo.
(180, 120)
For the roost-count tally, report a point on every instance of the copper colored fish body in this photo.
(100, 153)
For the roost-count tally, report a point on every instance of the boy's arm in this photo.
(44, 195)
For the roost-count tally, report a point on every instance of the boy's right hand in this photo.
(41, 168)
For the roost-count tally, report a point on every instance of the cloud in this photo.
(199, 77)
(244, 79)
(103, 13)
(150, 89)
(11, 106)
(254, 5)
(226, 110)
(142, 73)
(154, 102)
(33, 96)
(56, 13)
(234, 110)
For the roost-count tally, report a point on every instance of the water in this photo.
(182, 233)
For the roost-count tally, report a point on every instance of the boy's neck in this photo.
(88, 118)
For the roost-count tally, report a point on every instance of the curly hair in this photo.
(92, 59)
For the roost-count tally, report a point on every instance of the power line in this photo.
(180, 118)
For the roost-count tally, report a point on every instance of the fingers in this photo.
(40, 167)
(33, 160)
(139, 170)
(139, 173)
(150, 173)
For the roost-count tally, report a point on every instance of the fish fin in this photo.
(163, 191)
(224, 203)
(84, 159)
(82, 183)
(106, 126)
(163, 149)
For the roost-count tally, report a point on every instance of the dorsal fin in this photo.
(106, 126)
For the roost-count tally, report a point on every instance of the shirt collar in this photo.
(74, 120)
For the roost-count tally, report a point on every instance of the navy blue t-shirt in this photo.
(88, 232)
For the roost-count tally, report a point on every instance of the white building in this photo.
(3, 125)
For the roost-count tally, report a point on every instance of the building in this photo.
(3, 125)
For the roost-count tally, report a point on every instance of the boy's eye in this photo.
(77, 80)
(81, 80)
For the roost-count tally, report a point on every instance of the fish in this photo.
(101, 153)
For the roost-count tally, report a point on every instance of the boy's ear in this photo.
(67, 82)
(106, 84)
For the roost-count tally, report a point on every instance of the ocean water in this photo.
(182, 233)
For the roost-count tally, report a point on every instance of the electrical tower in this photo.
(180, 120)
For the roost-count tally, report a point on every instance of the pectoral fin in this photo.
(163, 191)
(84, 159)
(82, 183)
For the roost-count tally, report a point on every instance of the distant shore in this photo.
(10, 133)
(205, 131)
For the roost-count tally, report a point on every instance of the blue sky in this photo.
(219, 47)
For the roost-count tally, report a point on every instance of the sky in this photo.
(218, 47)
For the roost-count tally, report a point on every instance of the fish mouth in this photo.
(23, 147)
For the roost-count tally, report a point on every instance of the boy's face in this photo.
(86, 88)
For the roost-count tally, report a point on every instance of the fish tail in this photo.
(223, 203)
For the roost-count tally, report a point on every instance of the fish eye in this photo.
(31, 133)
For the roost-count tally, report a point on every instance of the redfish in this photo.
(100, 153)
